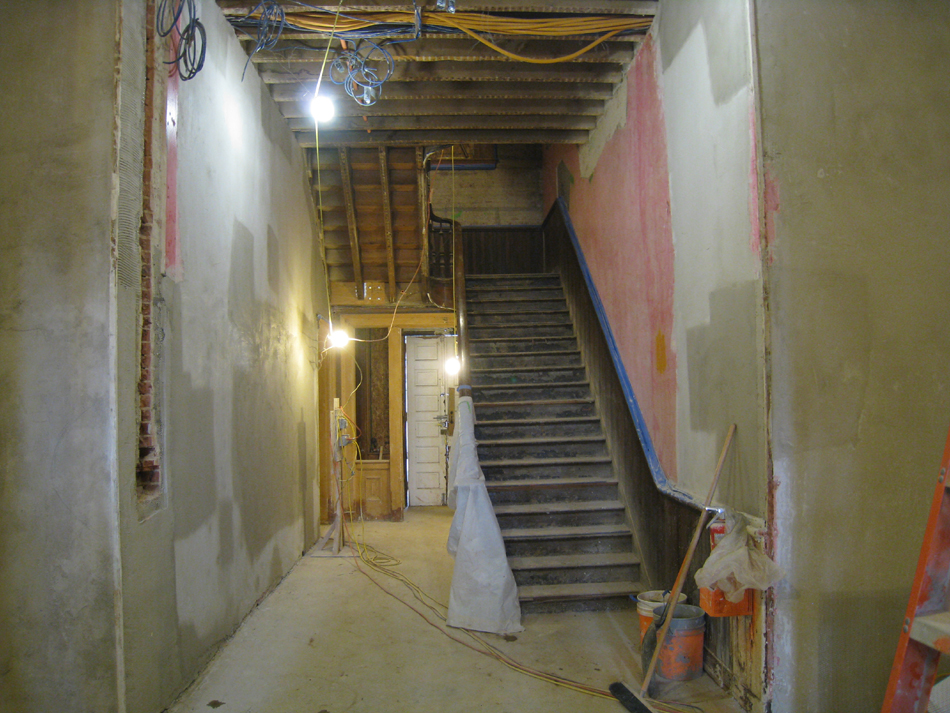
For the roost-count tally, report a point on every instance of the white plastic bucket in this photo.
(647, 602)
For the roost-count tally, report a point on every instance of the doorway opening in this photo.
(430, 409)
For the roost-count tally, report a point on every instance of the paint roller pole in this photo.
(681, 576)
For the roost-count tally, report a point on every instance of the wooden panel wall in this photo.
(493, 251)
(663, 526)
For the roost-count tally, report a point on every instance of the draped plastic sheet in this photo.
(484, 596)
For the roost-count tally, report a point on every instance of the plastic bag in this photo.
(736, 565)
(484, 595)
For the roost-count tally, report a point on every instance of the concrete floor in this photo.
(328, 640)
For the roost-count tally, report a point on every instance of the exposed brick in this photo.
(145, 401)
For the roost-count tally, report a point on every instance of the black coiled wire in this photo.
(190, 37)
(270, 25)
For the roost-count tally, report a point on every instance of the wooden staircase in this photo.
(543, 450)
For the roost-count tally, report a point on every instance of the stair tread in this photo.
(570, 506)
(588, 590)
(530, 369)
(549, 439)
(515, 483)
(538, 402)
(553, 352)
(535, 421)
(527, 311)
(557, 460)
(564, 531)
(527, 338)
(530, 386)
(601, 559)
(518, 325)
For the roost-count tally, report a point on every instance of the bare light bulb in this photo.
(452, 366)
(339, 339)
(322, 109)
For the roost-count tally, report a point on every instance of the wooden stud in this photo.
(388, 221)
(422, 181)
(351, 220)
(397, 476)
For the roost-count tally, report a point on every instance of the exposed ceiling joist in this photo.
(459, 107)
(347, 184)
(494, 71)
(440, 136)
(521, 91)
(388, 218)
(497, 72)
(464, 49)
(467, 122)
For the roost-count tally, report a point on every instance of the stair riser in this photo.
(491, 306)
(541, 375)
(518, 317)
(528, 361)
(569, 546)
(577, 575)
(541, 430)
(547, 280)
(547, 392)
(499, 412)
(603, 491)
(528, 331)
(566, 605)
(521, 345)
(560, 519)
(520, 472)
(489, 295)
(552, 449)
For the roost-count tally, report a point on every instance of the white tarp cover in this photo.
(484, 596)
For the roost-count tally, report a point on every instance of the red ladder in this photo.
(926, 630)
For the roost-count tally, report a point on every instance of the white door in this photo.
(427, 410)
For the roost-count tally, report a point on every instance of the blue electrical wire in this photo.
(191, 39)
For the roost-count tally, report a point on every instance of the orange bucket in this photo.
(681, 658)
(647, 602)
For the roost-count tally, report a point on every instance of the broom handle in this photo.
(681, 575)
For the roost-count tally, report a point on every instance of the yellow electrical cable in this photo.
(530, 60)
(473, 23)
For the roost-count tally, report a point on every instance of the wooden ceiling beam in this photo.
(564, 122)
(437, 137)
(492, 71)
(422, 180)
(240, 8)
(399, 91)
(388, 218)
(460, 107)
(467, 51)
(351, 221)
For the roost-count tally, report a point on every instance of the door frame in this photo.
(342, 378)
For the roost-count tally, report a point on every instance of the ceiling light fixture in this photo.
(322, 109)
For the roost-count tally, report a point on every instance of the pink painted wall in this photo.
(622, 219)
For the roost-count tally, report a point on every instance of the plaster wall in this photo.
(509, 194)
(856, 135)
(667, 222)
(238, 381)
(58, 504)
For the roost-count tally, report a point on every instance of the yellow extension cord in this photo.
(473, 23)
